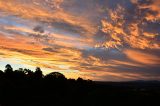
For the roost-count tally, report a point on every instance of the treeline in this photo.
(28, 74)
(24, 87)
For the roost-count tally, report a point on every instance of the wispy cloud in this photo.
(142, 57)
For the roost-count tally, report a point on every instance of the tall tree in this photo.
(8, 68)
(38, 73)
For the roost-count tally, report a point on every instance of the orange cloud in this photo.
(119, 32)
(112, 76)
(54, 38)
(141, 57)
(31, 11)
(117, 62)
(32, 53)
(154, 6)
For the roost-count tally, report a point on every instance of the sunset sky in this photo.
(107, 40)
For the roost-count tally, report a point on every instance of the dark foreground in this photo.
(26, 88)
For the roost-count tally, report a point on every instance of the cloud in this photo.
(36, 13)
(141, 57)
(152, 7)
(117, 41)
(124, 29)
(26, 51)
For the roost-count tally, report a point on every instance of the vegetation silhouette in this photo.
(24, 87)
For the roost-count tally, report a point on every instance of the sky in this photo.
(103, 40)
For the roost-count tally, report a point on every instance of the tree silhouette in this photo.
(8, 71)
(8, 68)
(29, 73)
(1, 73)
(19, 74)
(55, 75)
(38, 73)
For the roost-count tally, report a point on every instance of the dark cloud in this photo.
(69, 28)
(52, 50)
(39, 29)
